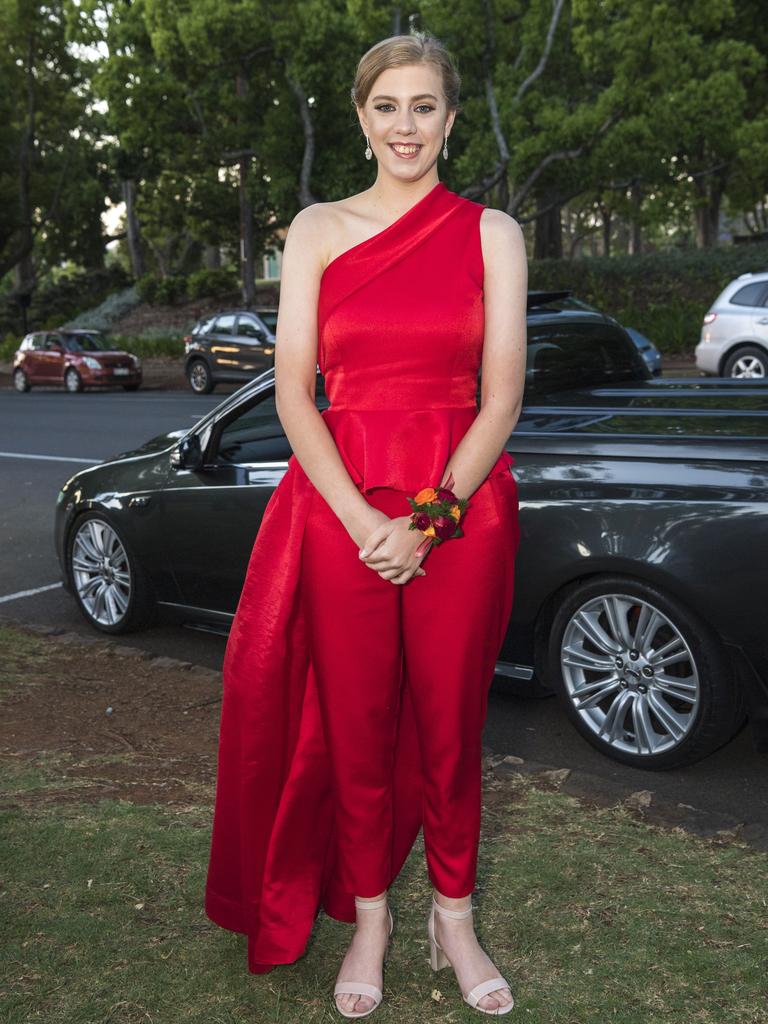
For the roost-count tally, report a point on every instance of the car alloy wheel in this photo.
(630, 674)
(748, 362)
(73, 381)
(748, 366)
(640, 675)
(199, 377)
(101, 572)
(21, 380)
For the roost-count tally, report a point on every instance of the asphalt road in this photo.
(47, 435)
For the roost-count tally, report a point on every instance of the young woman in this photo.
(363, 647)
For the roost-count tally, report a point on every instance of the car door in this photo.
(223, 345)
(760, 319)
(52, 359)
(256, 352)
(212, 515)
(34, 358)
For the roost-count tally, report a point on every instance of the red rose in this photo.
(445, 494)
(422, 520)
(445, 526)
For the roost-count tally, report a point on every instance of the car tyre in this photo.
(110, 586)
(21, 380)
(673, 701)
(199, 377)
(73, 382)
(747, 362)
(131, 387)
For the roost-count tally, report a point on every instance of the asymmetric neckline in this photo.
(387, 229)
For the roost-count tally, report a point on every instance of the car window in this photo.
(225, 324)
(750, 294)
(269, 318)
(564, 356)
(83, 343)
(53, 341)
(204, 326)
(242, 439)
(248, 328)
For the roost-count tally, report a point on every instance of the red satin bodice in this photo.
(400, 340)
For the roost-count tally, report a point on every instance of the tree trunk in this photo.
(636, 228)
(211, 257)
(132, 228)
(708, 214)
(246, 219)
(607, 225)
(548, 242)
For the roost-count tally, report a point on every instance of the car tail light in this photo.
(710, 318)
(187, 338)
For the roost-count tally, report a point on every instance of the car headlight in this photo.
(91, 363)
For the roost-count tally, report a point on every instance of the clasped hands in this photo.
(391, 549)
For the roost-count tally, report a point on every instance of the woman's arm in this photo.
(504, 352)
(296, 375)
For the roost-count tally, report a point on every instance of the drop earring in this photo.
(368, 150)
(445, 147)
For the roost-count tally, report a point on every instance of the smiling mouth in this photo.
(406, 148)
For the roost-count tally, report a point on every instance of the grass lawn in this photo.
(592, 914)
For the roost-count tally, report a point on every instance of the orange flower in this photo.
(455, 511)
(426, 495)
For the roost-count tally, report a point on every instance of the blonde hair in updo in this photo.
(395, 51)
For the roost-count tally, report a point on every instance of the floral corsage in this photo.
(436, 512)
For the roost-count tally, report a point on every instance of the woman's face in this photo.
(406, 118)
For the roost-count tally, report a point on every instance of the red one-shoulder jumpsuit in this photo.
(353, 708)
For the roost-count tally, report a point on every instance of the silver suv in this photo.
(734, 335)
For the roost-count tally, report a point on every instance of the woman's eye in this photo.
(422, 106)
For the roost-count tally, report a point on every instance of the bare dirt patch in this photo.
(157, 744)
(83, 721)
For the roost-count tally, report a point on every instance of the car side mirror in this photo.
(188, 454)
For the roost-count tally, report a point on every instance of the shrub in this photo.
(171, 289)
(111, 310)
(146, 286)
(211, 283)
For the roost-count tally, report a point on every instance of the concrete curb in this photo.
(112, 648)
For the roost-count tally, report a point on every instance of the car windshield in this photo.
(84, 343)
(581, 355)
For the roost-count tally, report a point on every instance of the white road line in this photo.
(28, 593)
(48, 458)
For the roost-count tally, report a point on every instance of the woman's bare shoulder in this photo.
(322, 227)
(497, 228)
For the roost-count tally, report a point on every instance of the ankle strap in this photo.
(369, 904)
(452, 913)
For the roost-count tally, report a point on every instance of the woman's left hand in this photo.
(391, 549)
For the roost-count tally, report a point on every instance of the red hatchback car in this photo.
(75, 358)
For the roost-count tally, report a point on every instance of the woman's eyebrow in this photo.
(421, 96)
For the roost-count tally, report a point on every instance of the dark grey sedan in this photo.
(639, 582)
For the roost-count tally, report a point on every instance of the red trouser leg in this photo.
(355, 638)
(448, 625)
(454, 621)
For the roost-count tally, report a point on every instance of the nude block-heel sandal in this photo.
(438, 960)
(362, 988)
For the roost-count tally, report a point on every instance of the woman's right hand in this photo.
(393, 547)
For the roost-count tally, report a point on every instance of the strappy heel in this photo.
(362, 988)
(438, 960)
